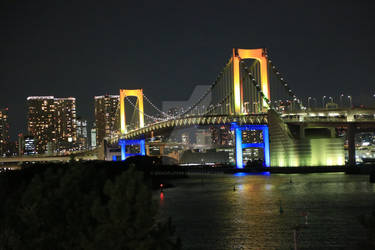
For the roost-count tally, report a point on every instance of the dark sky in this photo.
(167, 47)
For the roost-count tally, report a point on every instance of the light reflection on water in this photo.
(243, 211)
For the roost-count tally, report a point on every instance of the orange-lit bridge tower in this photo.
(131, 92)
(243, 86)
(260, 56)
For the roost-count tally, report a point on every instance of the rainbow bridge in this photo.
(240, 97)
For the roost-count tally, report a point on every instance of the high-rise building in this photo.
(21, 144)
(4, 132)
(66, 127)
(41, 121)
(82, 139)
(29, 145)
(93, 136)
(107, 114)
(26, 145)
(51, 121)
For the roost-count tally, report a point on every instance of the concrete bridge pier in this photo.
(351, 144)
(123, 143)
(239, 145)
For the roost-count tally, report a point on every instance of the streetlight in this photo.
(227, 105)
(246, 104)
(255, 106)
(331, 99)
(275, 105)
(300, 103)
(316, 102)
(219, 108)
(350, 101)
(294, 104)
(308, 102)
(324, 97)
(341, 100)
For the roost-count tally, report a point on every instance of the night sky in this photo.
(167, 47)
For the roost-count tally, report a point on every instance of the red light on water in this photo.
(161, 196)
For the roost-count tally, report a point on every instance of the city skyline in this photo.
(158, 45)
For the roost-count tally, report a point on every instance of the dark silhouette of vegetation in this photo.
(80, 206)
(368, 221)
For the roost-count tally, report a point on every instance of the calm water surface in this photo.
(209, 214)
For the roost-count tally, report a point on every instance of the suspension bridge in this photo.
(250, 94)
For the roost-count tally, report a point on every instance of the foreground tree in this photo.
(368, 221)
(77, 207)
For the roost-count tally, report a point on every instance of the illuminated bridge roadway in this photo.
(361, 117)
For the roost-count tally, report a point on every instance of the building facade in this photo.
(107, 113)
(29, 145)
(52, 123)
(4, 132)
(66, 126)
(93, 137)
(221, 135)
(82, 137)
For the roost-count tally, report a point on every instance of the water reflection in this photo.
(238, 174)
(161, 196)
(214, 216)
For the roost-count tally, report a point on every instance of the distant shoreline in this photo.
(306, 170)
(283, 170)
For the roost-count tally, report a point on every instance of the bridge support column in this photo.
(302, 131)
(239, 149)
(147, 149)
(351, 144)
(123, 143)
(123, 151)
(142, 147)
(239, 145)
(333, 132)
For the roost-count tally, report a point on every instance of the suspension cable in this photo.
(283, 81)
(256, 85)
(156, 108)
(149, 116)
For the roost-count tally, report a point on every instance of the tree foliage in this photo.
(368, 221)
(80, 207)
